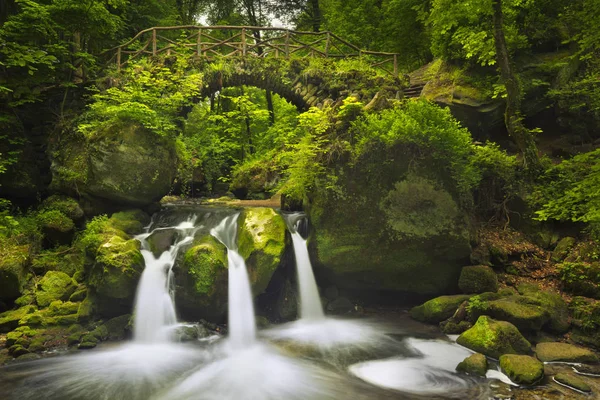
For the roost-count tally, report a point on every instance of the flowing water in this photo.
(314, 358)
(242, 326)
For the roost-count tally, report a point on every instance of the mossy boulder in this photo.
(521, 369)
(9, 320)
(55, 285)
(14, 261)
(477, 279)
(131, 222)
(520, 312)
(476, 364)
(439, 309)
(261, 242)
(564, 352)
(127, 164)
(66, 205)
(115, 273)
(56, 226)
(88, 341)
(494, 338)
(201, 279)
(161, 240)
(561, 251)
(573, 381)
(393, 230)
(117, 328)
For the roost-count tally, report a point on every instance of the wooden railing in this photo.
(246, 41)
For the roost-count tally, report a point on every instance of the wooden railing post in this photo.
(395, 65)
(119, 59)
(153, 42)
(327, 43)
(199, 43)
(244, 42)
(287, 43)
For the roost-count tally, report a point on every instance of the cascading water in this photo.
(310, 301)
(242, 324)
(154, 306)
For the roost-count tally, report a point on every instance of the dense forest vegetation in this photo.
(486, 137)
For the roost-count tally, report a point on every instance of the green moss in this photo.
(439, 309)
(562, 248)
(65, 205)
(78, 295)
(494, 338)
(13, 263)
(100, 332)
(204, 262)
(518, 311)
(55, 220)
(58, 308)
(64, 259)
(524, 370)
(564, 352)
(9, 320)
(86, 309)
(131, 221)
(478, 279)
(476, 364)
(117, 327)
(117, 269)
(261, 242)
(88, 341)
(25, 300)
(55, 285)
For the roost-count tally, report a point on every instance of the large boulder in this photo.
(476, 364)
(494, 338)
(414, 241)
(524, 370)
(439, 309)
(122, 163)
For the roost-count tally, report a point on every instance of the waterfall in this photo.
(154, 305)
(242, 326)
(310, 301)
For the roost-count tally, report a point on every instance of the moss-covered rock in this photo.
(117, 269)
(117, 328)
(476, 364)
(519, 312)
(56, 226)
(494, 338)
(88, 341)
(161, 240)
(201, 279)
(524, 370)
(562, 248)
(564, 352)
(123, 163)
(414, 241)
(477, 279)
(13, 267)
(68, 260)
(437, 310)
(261, 242)
(65, 205)
(55, 285)
(573, 381)
(553, 303)
(9, 320)
(131, 222)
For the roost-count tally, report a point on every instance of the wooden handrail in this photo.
(325, 44)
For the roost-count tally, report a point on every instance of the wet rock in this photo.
(494, 338)
(521, 369)
(161, 240)
(564, 352)
(573, 381)
(9, 320)
(118, 327)
(436, 310)
(66, 205)
(340, 306)
(13, 263)
(88, 341)
(477, 279)
(476, 364)
(286, 306)
(131, 222)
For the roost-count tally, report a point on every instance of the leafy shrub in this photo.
(570, 191)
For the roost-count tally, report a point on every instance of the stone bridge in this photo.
(308, 69)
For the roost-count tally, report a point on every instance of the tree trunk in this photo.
(512, 116)
(315, 12)
(269, 97)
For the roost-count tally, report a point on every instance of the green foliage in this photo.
(150, 93)
(572, 272)
(56, 220)
(437, 135)
(570, 191)
(477, 306)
